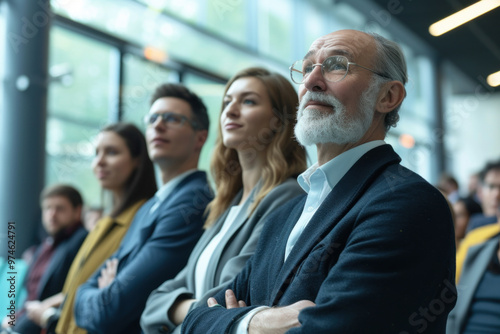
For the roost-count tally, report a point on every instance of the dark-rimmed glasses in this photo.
(333, 69)
(170, 119)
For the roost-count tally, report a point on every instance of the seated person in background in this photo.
(91, 216)
(449, 185)
(463, 209)
(61, 218)
(165, 229)
(254, 166)
(478, 282)
(473, 187)
(372, 242)
(489, 194)
(122, 167)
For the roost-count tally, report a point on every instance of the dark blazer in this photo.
(474, 267)
(155, 249)
(377, 257)
(234, 249)
(53, 279)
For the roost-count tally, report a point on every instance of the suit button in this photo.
(164, 329)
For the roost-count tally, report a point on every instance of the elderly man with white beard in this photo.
(370, 248)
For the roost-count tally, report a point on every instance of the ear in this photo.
(78, 213)
(201, 138)
(391, 95)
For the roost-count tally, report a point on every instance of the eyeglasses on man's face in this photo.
(170, 119)
(333, 69)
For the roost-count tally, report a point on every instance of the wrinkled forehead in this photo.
(357, 46)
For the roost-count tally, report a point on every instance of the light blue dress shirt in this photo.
(317, 181)
(165, 190)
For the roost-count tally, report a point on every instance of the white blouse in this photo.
(204, 259)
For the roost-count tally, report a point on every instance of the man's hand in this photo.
(108, 274)
(34, 311)
(231, 301)
(5, 323)
(268, 321)
(279, 319)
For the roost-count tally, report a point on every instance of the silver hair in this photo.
(390, 61)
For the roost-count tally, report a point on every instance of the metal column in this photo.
(23, 114)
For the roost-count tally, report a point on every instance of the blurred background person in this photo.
(255, 164)
(463, 209)
(478, 279)
(489, 193)
(61, 218)
(123, 168)
(91, 216)
(449, 186)
(473, 187)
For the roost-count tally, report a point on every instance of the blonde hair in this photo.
(284, 155)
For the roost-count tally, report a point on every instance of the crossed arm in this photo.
(276, 320)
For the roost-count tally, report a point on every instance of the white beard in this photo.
(315, 126)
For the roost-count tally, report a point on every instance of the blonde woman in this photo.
(255, 164)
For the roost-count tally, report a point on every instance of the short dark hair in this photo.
(63, 190)
(492, 165)
(179, 91)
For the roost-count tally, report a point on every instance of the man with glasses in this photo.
(489, 193)
(370, 248)
(165, 229)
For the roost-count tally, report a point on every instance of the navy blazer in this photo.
(155, 248)
(54, 276)
(377, 257)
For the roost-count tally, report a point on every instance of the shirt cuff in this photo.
(241, 325)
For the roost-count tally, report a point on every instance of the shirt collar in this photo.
(335, 169)
(168, 187)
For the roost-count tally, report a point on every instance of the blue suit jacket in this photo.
(155, 249)
(377, 257)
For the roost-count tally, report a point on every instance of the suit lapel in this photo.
(207, 236)
(239, 220)
(51, 269)
(142, 222)
(142, 218)
(336, 205)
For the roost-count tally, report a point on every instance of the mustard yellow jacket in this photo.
(99, 245)
(474, 237)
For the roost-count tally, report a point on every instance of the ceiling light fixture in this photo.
(493, 79)
(462, 16)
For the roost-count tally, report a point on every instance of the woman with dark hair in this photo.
(254, 166)
(123, 168)
(463, 209)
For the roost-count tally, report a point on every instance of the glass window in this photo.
(141, 77)
(145, 26)
(275, 19)
(315, 26)
(228, 18)
(211, 94)
(70, 150)
(78, 105)
(80, 76)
